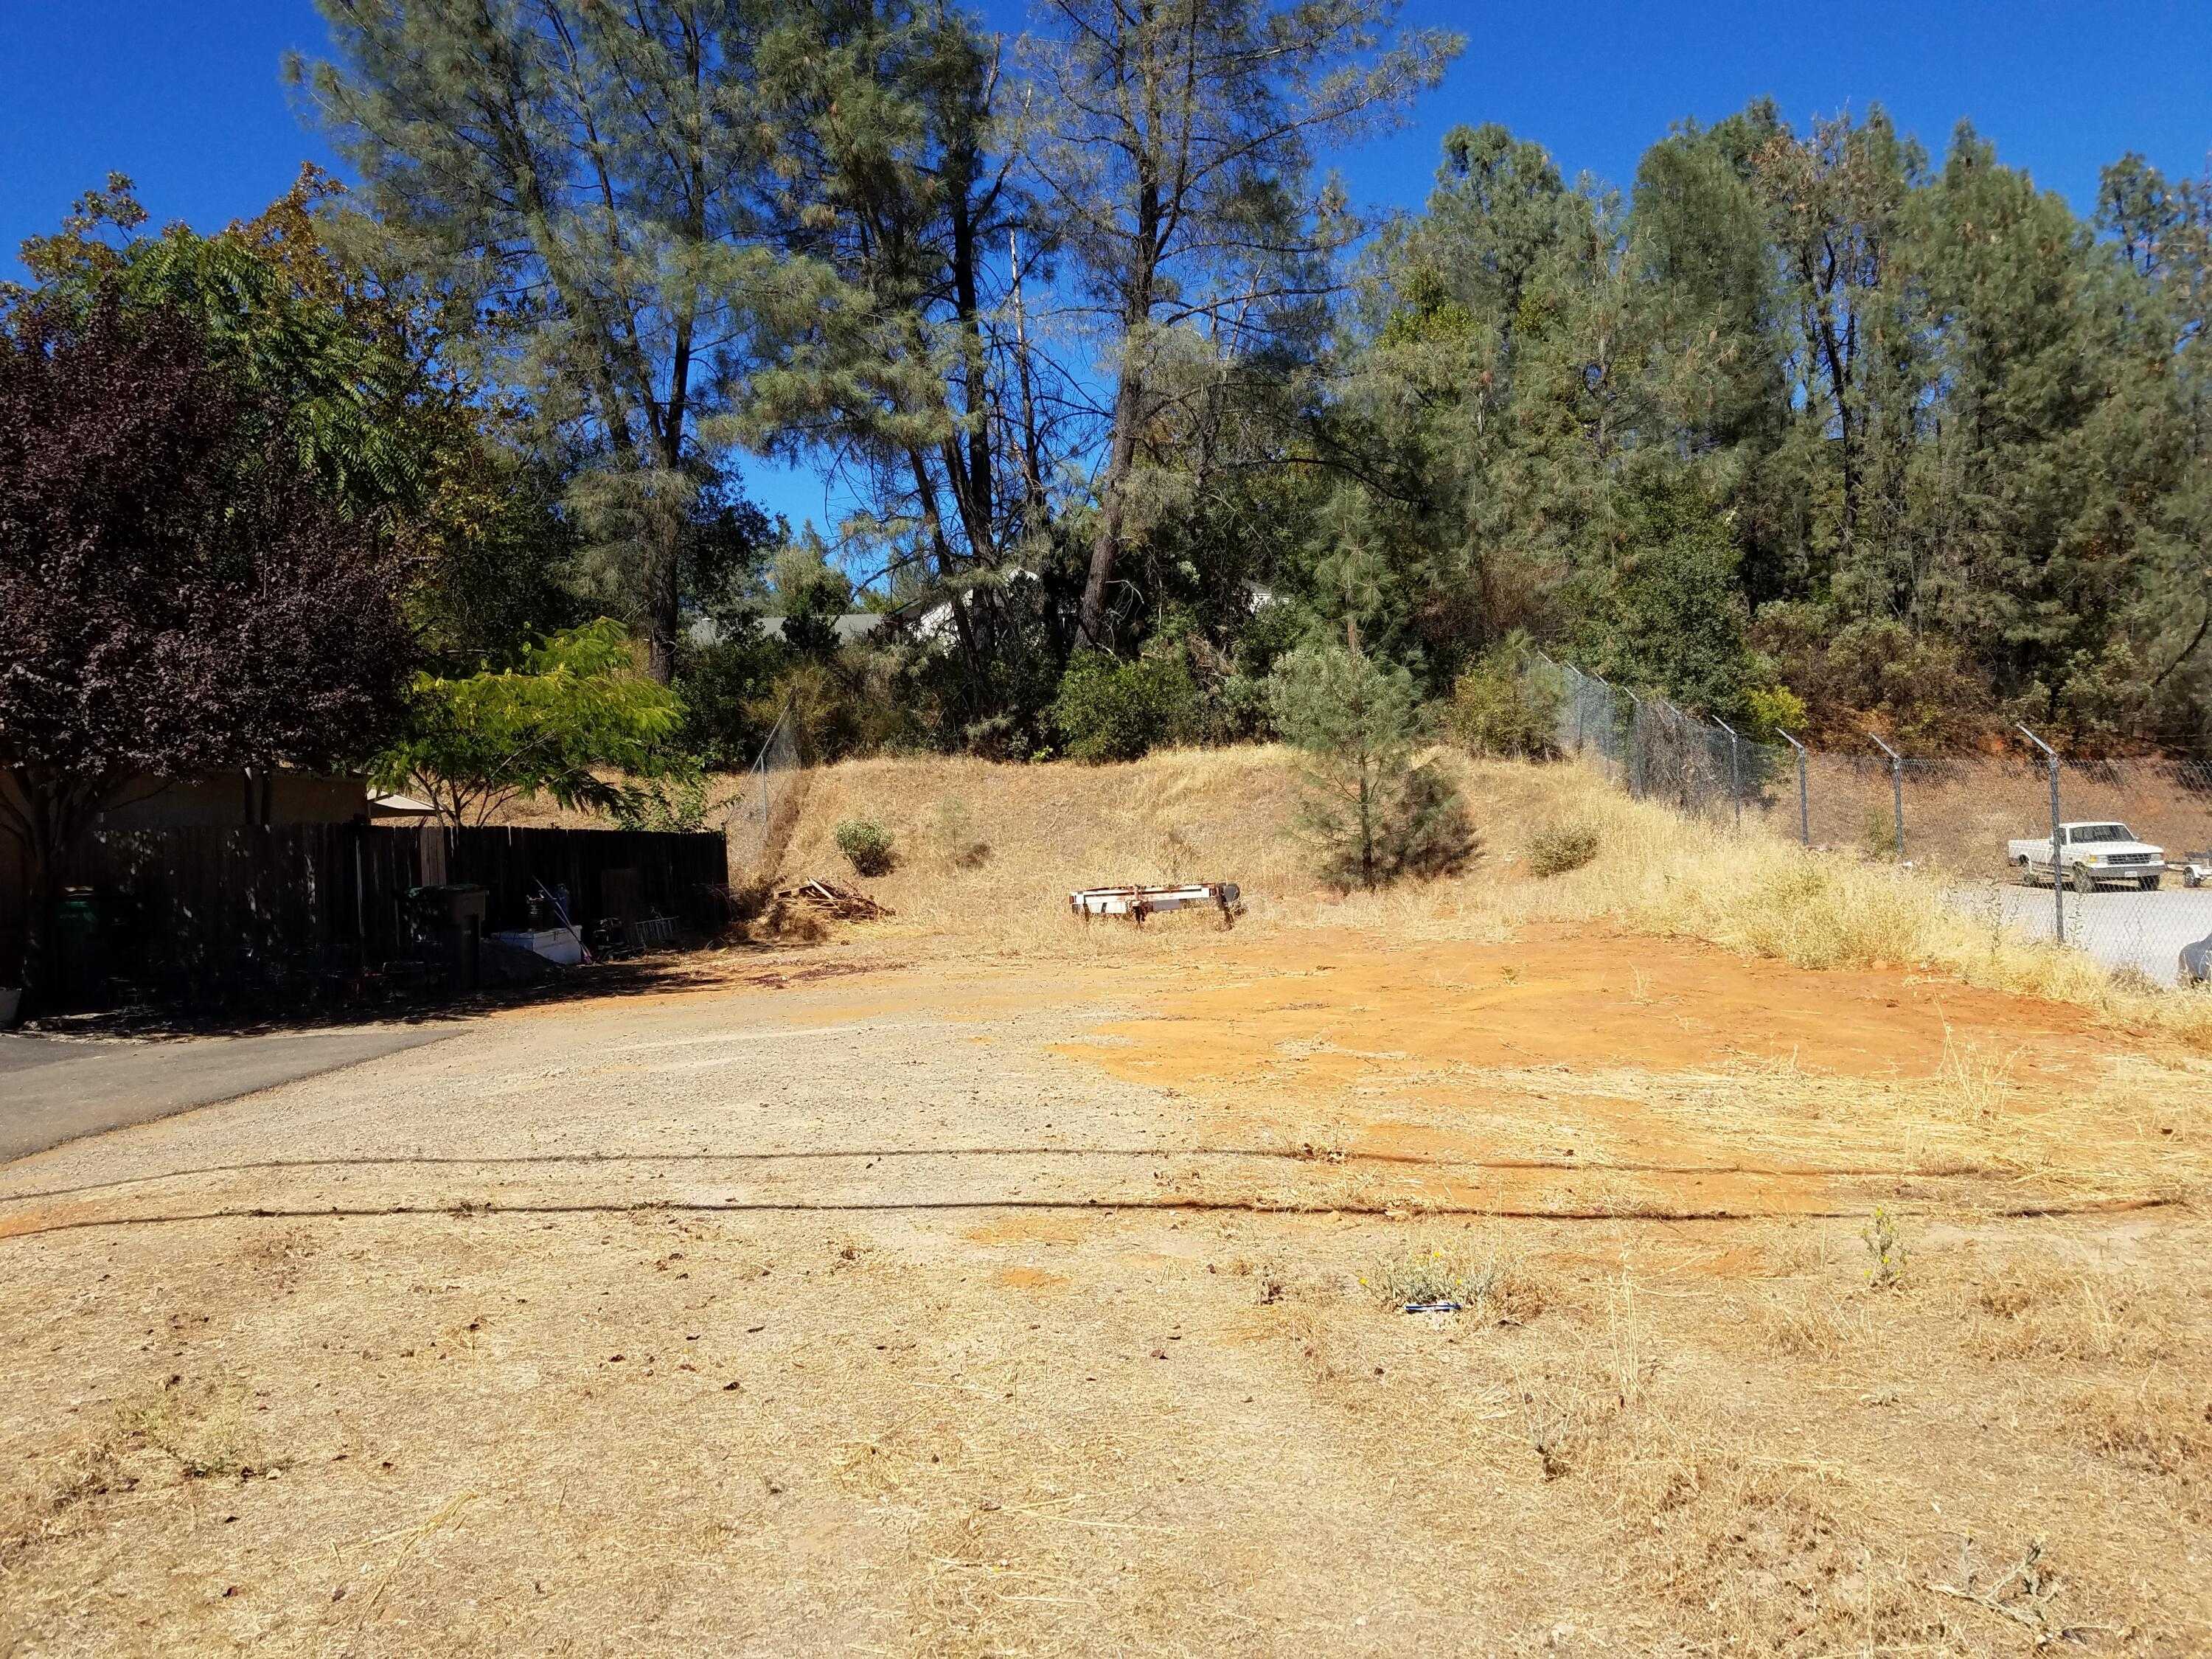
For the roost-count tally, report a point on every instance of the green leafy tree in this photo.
(177, 598)
(1111, 710)
(1374, 814)
(353, 381)
(896, 179)
(326, 363)
(570, 721)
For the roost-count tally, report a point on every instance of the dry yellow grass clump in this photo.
(987, 853)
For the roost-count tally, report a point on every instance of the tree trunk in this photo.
(974, 497)
(661, 600)
(1106, 540)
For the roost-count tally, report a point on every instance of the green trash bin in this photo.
(79, 967)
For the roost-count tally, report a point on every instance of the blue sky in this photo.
(187, 98)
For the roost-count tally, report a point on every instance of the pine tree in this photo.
(1374, 814)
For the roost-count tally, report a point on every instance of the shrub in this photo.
(1499, 708)
(954, 832)
(1111, 710)
(867, 845)
(1559, 848)
(1769, 709)
(1886, 1251)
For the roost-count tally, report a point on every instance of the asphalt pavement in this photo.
(2122, 929)
(53, 1090)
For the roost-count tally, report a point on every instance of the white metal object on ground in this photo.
(1138, 903)
(559, 945)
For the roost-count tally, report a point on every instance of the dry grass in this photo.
(1810, 1323)
(2040, 1308)
(176, 1431)
(995, 1404)
(995, 849)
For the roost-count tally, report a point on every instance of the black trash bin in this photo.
(454, 915)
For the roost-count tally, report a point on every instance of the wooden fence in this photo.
(676, 875)
(202, 915)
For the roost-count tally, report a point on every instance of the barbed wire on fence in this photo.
(2135, 890)
(764, 802)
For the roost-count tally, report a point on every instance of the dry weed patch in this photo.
(2038, 1307)
(2161, 1424)
(200, 1427)
(1495, 1287)
(38, 1498)
(1574, 1401)
(181, 1431)
(1810, 1325)
(1761, 1555)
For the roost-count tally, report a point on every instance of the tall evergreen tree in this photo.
(584, 184)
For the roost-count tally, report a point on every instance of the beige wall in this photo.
(232, 798)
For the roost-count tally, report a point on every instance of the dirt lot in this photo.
(861, 1304)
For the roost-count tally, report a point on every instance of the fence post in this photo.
(1735, 769)
(2057, 886)
(1632, 747)
(1804, 797)
(1896, 790)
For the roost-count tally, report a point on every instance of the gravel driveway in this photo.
(914, 1311)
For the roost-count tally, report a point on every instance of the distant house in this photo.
(930, 620)
(847, 627)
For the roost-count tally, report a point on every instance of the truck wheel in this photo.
(2025, 871)
(2084, 883)
(2151, 883)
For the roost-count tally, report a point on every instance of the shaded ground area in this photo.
(1054, 1308)
(53, 1091)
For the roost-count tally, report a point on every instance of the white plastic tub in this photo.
(554, 943)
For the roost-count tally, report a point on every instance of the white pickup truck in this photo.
(2090, 855)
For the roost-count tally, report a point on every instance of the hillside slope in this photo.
(987, 853)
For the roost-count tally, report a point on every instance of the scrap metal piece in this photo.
(1138, 903)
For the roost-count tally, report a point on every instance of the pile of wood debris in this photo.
(844, 903)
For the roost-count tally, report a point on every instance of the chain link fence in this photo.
(759, 814)
(2131, 883)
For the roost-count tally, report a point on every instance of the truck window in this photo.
(2092, 832)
